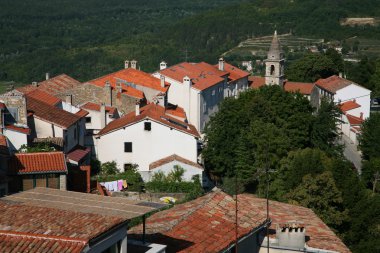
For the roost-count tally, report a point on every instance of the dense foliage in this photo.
(88, 39)
(271, 130)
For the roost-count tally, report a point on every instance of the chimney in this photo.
(137, 108)
(102, 116)
(163, 65)
(361, 115)
(108, 93)
(340, 74)
(162, 79)
(118, 87)
(221, 64)
(133, 64)
(35, 84)
(291, 235)
(187, 81)
(126, 64)
(69, 99)
(47, 76)
(354, 100)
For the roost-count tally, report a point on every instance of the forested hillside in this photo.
(88, 38)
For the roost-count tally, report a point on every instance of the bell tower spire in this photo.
(274, 64)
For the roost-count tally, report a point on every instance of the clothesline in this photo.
(116, 185)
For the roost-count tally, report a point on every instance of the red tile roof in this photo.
(333, 83)
(24, 130)
(183, 227)
(153, 112)
(78, 153)
(203, 75)
(53, 86)
(353, 120)
(172, 158)
(176, 112)
(41, 162)
(96, 107)
(134, 76)
(234, 72)
(348, 106)
(43, 96)
(82, 113)
(14, 242)
(303, 88)
(51, 114)
(256, 81)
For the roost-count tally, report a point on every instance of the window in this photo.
(128, 167)
(128, 147)
(88, 119)
(147, 126)
(272, 70)
(213, 93)
(12, 115)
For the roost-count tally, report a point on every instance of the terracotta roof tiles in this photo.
(256, 81)
(203, 75)
(348, 106)
(41, 162)
(44, 97)
(133, 76)
(333, 83)
(234, 72)
(51, 114)
(183, 227)
(303, 88)
(172, 158)
(353, 120)
(153, 112)
(78, 153)
(96, 107)
(20, 129)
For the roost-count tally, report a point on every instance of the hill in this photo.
(87, 39)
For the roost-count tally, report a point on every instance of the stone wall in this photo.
(15, 99)
(149, 196)
(92, 93)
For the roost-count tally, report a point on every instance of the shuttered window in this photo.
(27, 183)
(53, 181)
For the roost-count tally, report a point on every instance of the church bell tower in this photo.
(274, 64)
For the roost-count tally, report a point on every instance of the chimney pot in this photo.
(221, 64)
(35, 84)
(134, 64)
(162, 79)
(126, 64)
(47, 75)
(137, 108)
(163, 65)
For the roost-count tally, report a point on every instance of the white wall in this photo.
(190, 170)
(147, 146)
(44, 129)
(362, 96)
(15, 139)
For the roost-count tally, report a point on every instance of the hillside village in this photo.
(154, 123)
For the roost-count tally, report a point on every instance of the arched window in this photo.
(272, 70)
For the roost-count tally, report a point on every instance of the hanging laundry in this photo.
(119, 185)
(114, 186)
(125, 185)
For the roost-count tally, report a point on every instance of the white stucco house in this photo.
(198, 88)
(353, 100)
(145, 136)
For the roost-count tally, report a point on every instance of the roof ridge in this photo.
(43, 236)
(41, 152)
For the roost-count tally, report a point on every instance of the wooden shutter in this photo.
(40, 181)
(53, 181)
(27, 182)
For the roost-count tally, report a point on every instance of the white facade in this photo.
(15, 139)
(147, 146)
(360, 94)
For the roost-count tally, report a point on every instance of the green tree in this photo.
(324, 134)
(369, 140)
(108, 168)
(176, 174)
(39, 147)
(336, 58)
(311, 67)
(321, 195)
(371, 174)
